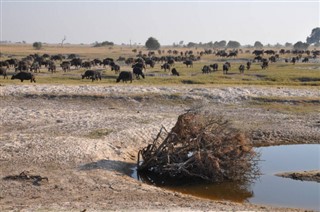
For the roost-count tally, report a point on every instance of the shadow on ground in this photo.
(110, 165)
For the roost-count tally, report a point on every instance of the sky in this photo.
(169, 21)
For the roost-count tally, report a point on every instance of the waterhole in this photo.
(268, 189)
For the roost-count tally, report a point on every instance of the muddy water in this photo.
(268, 189)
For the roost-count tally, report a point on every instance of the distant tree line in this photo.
(104, 43)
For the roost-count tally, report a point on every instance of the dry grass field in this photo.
(278, 74)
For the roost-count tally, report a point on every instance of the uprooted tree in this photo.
(200, 146)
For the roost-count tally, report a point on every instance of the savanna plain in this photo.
(82, 137)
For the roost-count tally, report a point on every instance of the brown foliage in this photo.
(202, 146)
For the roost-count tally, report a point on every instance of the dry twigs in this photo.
(201, 146)
(26, 177)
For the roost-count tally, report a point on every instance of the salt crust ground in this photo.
(85, 140)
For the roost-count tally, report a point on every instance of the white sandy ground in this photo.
(85, 139)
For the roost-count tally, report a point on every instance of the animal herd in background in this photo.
(33, 63)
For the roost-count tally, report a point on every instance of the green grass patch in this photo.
(292, 105)
(99, 133)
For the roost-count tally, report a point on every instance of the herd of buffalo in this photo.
(25, 68)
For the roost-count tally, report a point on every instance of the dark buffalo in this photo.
(226, 66)
(35, 67)
(214, 67)
(258, 52)
(188, 63)
(138, 72)
(305, 60)
(165, 66)
(65, 65)
(23, 66)
(115, 68)
(3, 71)
(24, 76)
(175, 72)
(265, 64)
(206, 69)
(86, 64)
(107, 61)
(52, 67)
(77, 62)
(125, 76)
(241, 68)
(4, 64)
(248, 65)
(91, 74)
(150, 62)
(139, 65)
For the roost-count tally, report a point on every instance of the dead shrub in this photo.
(201, 146)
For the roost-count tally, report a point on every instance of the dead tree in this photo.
(200, 146)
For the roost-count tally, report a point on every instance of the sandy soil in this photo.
(312, 175)
(85, 139)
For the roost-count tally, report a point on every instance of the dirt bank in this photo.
(85, 139)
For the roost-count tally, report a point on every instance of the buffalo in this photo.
(175, 72)
(206, 69)
(24, 76)
(214, 66)
(226, 66)
(125, 76)
(65, 65)
(165, 66)
(241, 68)
(137, 72)
(91, 74)
(115, 68)
(248, 65)
(265, 64)
(188, 63)
(3, 71)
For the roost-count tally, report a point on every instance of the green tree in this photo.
(301, 46)
(191, 44)
(152, 44)
(220, 44)
(288, 45)
(233, 44)
(258, 45)
(315, 36)
(37, 45)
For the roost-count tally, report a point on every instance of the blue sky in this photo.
(167, 20)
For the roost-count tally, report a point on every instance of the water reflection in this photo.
(234, 191)
(268, 189)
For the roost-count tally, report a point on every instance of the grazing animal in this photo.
(206, 69)
(138, 72)
(24, 76)
(3, 71)
(293, 60)
(165, 66)
(65, 65)
(265, 64)
(139, 65)
(91, 74)
(305, 60)
(52, 67)
(248, 65)
(226, 66)
(125, 76)
(241, 68)
(35, 67)
(175, 72)
(115, 68)
(188, 63)
(214, 67)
